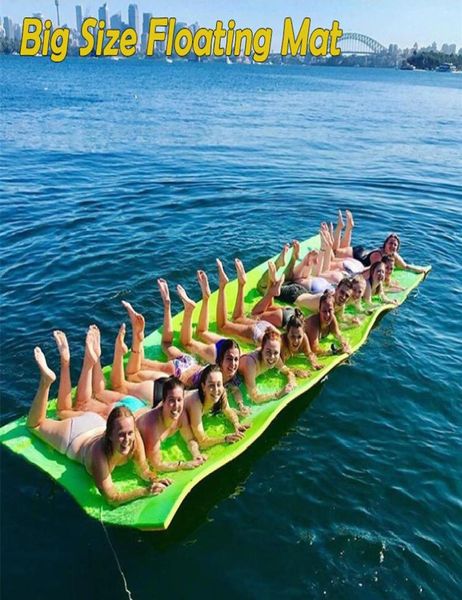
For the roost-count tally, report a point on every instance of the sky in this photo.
(401, 22)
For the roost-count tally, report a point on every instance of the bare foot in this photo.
(63, 345)
(89, 347)
(164, 291)
(46, 373)
(96, 340)
(331, 232)
(120, 339)
(137, 320)
(187, 302)
(275, 288)
(281, 259)
(340, 222)
(241, 274)
(350, 221)
(204, 283)
(271, 272)
(295, 249)
(310, 258)
(222, 277)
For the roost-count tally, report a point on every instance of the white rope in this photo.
(129, 594)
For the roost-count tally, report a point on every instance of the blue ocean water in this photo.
(114, 173)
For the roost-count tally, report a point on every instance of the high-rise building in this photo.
(103, 13)
(78, 17)
(133, 17)
(116, 21)
(8, 27)
(146, 19)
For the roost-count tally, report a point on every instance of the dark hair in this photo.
(345, 282)
(218, 406)
(389, 237)
(387, 259)
(171, 383)
(296, 320)
(119, 412)
(325, 296)
(222, 348)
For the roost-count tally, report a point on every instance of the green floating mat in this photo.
(156, 513)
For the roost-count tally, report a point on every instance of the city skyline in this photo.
(388, 21)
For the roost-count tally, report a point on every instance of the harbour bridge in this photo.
(357, 43)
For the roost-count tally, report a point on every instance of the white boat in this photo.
(446, 68)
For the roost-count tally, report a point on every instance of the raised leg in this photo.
(222, 310)
(98, 381)
(203, 324)
(346, 242)
(291, 271)
(167, 331)
(338, 231)
(54, 433)
(186, 326)
(137, 351)
(65, 385)
(265, 305)
(84, 386)
(239, 312)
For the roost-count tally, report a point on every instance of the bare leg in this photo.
(281, 259)
(243, 330)
(346, 242)
(137, 353)
(55, 433)
(84, 386)
(65, 385)
(38, 410)
(266, 303)
(290, 272)
(202, 329)
(265, 279)
(203, 324)
(238, 312)
(167, 331)
(338, 231)
(98, 381)
(186, 326)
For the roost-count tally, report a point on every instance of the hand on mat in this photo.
(156, 488)
(242, 427)
(301, 372)
(233, 437)
(244, 411)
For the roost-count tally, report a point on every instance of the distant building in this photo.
(8, 27)
(146, 19)
(78, 17)
(17, 32)
(116, 21)
(38, 16)
(133, 17)
(103, 13)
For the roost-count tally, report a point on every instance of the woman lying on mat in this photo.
(210, 398)
(261, 360)
(374, 283)
(181, 365)
(212, 348)
(390, 247)
(294, 341)
(157, 424)
(323, 323)
(88, 439)
(389, 285)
